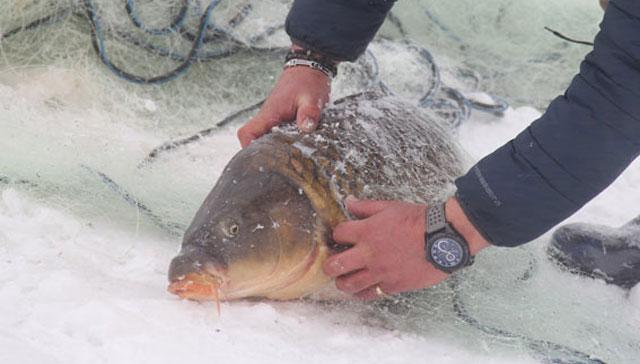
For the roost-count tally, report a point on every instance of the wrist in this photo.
(298, 48)
(461, 223)
(299, 56)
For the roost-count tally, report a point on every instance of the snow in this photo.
(83, 273)
(74, 291)
(634, 296)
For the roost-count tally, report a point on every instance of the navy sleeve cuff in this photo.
(340, 29)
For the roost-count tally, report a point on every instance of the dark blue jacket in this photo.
(582, 143)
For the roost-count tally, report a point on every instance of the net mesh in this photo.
(77, 131)
(154, 72)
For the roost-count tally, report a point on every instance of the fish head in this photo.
(256, 235)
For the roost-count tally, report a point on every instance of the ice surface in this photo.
(83, 261)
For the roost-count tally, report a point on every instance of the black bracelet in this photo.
(296, 62)
(310, 55)
(313, 60)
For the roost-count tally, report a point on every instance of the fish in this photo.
(265, 228)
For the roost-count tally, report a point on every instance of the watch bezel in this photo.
(448, 233)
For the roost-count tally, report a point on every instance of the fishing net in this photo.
(169, 74)
(125, 111)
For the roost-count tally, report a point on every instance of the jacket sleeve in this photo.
(574, 151)
(340, 29)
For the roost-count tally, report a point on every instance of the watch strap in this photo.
(436, 218)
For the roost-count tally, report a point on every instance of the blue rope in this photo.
(175, 56)
(218, 34)
(498, 108)
(175, 25)
(461, 108)
(435, 71)
(463, 105)
(98, 44)
(456, 101)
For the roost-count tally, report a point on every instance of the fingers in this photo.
(308, 117)
(256, 127)
(300, 94)
(348, 261)
(356, 282)
(365, 208)
(349, 232)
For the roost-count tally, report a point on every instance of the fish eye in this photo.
(234, 229)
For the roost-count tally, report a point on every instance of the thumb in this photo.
(365, 208)
(308, 117)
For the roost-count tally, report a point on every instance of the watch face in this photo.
(447, 252)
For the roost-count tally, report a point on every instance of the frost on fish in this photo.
(381, 147)
(306, 151)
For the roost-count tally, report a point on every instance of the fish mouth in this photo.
(199, 286)
(210, 285)
(195, 276)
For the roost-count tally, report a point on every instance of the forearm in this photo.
(340, 29)
(576, 149)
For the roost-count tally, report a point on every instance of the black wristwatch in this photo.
(446, 249)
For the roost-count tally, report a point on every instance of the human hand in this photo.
(300, 94)
(389, 249)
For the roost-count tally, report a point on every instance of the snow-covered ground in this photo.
(79, 291)
(83, 272)
(72, 293)
(75, 292)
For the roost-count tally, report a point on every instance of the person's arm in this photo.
(575, 150)
(340, 29)
(337, 29)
